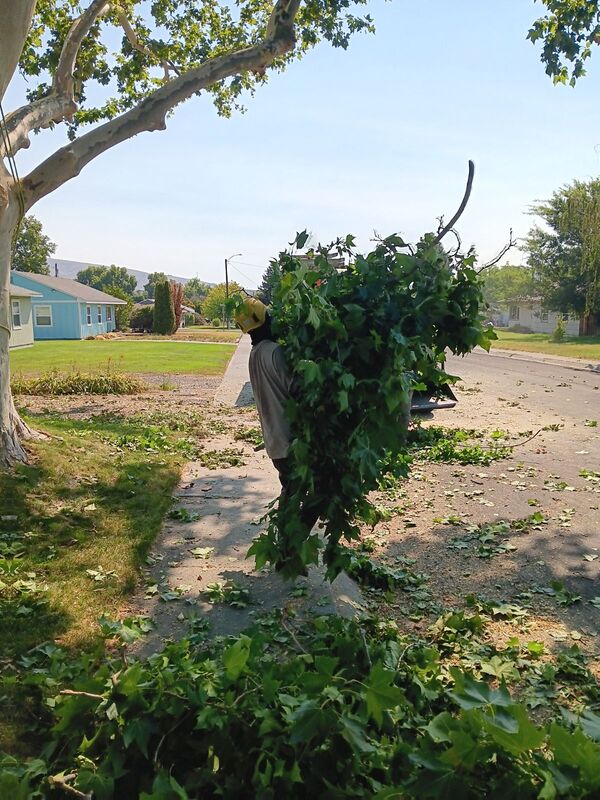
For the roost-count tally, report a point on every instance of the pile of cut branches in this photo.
(357, 341)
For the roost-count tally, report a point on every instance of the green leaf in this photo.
(442, 727)
(354, 733)
(574, 749)
(313, 318)
(307, 720)
(525, 735)
(469, 693)
(381, 694)
(301, 239)
(138, 731)
(236, 657)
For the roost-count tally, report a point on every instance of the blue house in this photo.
(67, 309)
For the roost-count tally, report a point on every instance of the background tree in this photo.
(102, 278)
(177, 295)
(156, 60)
(122, 313)
(142, 318)
(164, 313)
(153, 279)
(565, 255)
(214, 302)
(32, 248)
(194, 293)
(505, 285)
(270, 282)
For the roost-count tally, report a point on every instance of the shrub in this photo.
(142, 318)
(216, 323)
(56, 383)
(558, 334)
(519, 329)
(164, 312)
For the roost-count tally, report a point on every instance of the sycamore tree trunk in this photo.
(12, 428)
(13, 29)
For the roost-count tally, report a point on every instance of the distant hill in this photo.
(69, 269)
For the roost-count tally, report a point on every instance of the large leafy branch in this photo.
(358, 340)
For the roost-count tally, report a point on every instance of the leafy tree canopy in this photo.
(565, 254)
(122, 313)
(504, 285)
(568, 31)
(32, 247)
(195, 289)
(102, 278)
(214, 301)
(134, 48)
(153, 279)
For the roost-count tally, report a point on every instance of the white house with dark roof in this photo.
(66, 309)
(21, 318)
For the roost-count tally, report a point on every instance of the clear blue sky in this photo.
(374, 138)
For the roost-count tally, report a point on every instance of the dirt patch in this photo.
(466, 527)
(183, 392)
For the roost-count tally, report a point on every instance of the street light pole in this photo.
(235, 255)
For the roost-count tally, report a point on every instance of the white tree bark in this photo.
(12, 428)
(66, 163)
(14, 24)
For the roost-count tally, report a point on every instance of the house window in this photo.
(16, 314)
(544, 315)
(88, 315)
(99, 311)
(513, 312)
(565, 317)
(43, 316)
(109, 313)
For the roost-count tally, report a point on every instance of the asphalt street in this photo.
(518, 395)
(513, 377)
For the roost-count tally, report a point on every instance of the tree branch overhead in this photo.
(150, 114)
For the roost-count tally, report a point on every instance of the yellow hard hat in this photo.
(251, 314)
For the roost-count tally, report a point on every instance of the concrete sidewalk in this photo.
(225, 507)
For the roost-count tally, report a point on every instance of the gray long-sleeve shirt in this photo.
(271, 381)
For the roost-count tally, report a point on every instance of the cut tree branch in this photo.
(461, 208)
(511, 243)
(150, 114)
(60, 103)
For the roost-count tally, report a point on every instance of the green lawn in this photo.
(92, 498)
(587, 347)
(145, 356)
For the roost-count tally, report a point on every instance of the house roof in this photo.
(150, 302)
(78, 290)
(18, 291)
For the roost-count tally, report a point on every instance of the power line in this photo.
(248, 264)
(243, 274)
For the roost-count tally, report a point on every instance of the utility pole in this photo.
(235, 255)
